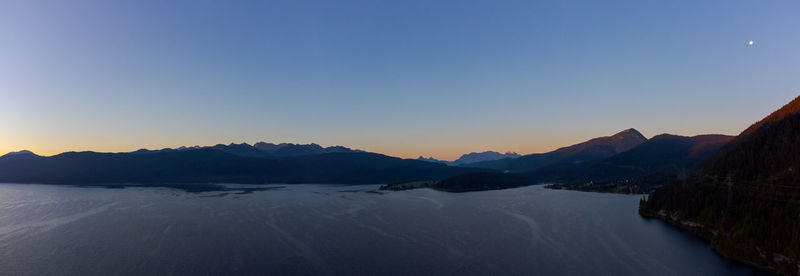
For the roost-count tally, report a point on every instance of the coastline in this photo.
(601, 191)
(707, 235)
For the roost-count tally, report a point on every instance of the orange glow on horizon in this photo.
(406, 147)
(443, 153)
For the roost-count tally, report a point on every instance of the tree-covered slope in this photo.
(746, 200)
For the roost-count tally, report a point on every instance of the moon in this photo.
(750, 42)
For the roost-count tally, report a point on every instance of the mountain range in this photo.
(654, 163)
(473, 157)
(234, 163)
(263, 149)
(625, 162)
(591, 150)
(311, 163)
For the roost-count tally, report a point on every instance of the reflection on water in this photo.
(326, 229)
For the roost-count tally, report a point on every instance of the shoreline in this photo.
(691, 228)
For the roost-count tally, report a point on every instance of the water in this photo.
(322, 229)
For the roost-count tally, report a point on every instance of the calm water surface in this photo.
(323, 229)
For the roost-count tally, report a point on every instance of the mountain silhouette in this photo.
(431, 159)
(262, 149)
(746, 199)
(20, 155)
(475, 157)
(235, 163)
(591, 150)
(658, 161)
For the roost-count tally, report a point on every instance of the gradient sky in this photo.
(404, 78)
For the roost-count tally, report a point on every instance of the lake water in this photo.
(324, 229)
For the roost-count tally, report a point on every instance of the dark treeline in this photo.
(746, 200)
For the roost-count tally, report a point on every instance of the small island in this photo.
(407, 185)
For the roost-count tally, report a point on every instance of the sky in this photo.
(403, 78)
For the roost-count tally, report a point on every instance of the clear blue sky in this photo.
(406, 78)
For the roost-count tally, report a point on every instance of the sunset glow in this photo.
(391, 78)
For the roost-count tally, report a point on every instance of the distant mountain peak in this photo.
(621, 141)
(23, 154)
(631, 132)
(488, 155)
(665, 136)
(431, 159)
(697, 137)
(291, 149)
